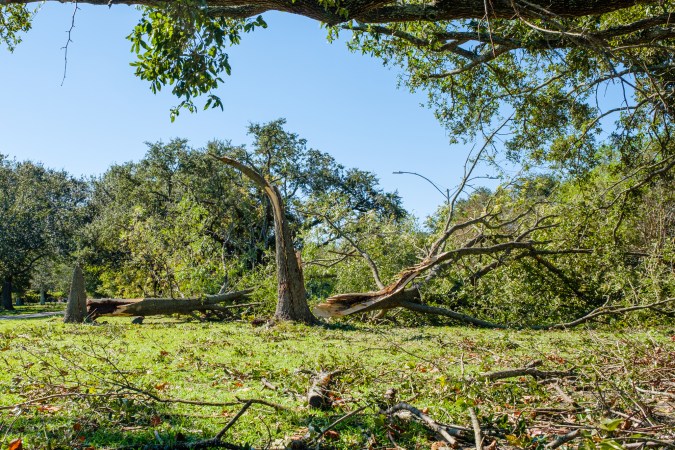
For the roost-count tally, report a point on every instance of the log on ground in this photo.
(161, 306)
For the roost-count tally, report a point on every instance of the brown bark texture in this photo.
(76, 309)
(7, 294)
(161, 306)
(292, 297)
(386, 11)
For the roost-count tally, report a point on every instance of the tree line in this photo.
(541, 248)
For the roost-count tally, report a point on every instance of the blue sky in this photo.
(344, 104)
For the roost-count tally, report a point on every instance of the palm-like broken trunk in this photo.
(292, 297)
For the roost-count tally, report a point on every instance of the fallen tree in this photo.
(164, 306)
(493, 235)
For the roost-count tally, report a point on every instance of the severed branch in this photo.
(430, 423)
(529, 370)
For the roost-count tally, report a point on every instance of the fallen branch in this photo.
(476, 429)
(164, 306)
(564, 439)
(428, 422)
(525, 371)
(317, 395)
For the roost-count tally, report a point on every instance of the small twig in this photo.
(68, 41)
(332, 425)
(650, 391)
(267, 384)
(69, 394)
(476, 429)
(565, 438)
(241, 412)
(264, 402)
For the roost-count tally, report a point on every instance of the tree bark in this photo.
(160, 306)
(7, 293)
(76, 310)
(386, 11)
(292, 297)
(43, 296)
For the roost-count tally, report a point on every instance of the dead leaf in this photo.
(77, 426)
(49, 409)
(155, 420)
(332, 435)
(161, 386)
(16, 444)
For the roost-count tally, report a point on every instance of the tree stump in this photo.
(76, 310)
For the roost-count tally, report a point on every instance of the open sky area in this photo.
(343, 103)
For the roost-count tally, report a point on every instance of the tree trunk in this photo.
(19, 300)
(43, 296)
(162, 306)
(76, 310)
(292, 297)
(7, 294)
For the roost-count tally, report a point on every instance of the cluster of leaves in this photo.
(560, 80)
(180, 44)
(14, 20)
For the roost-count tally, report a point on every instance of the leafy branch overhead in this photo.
(180, 44)
(546, 59)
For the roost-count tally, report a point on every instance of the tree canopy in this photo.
(40, 210)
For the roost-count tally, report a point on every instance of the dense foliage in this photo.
(179, 223)
(40, 211)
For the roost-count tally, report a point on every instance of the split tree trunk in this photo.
(292, 297)
(76, 310)
(7, 294)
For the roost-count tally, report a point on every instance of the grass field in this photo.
(34, 308)
(117, 384)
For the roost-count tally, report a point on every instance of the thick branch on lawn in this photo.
(162, 306)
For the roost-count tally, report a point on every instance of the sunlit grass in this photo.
(223, 362)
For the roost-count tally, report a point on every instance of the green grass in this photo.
(430, 367)
(33, 308)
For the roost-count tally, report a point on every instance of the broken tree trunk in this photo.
(346, 304)
(76, 310)
(292, 297)
(162, 306)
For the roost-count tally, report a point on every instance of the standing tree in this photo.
(39, 212)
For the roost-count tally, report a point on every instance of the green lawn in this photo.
(33, 308)
(107, 379)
